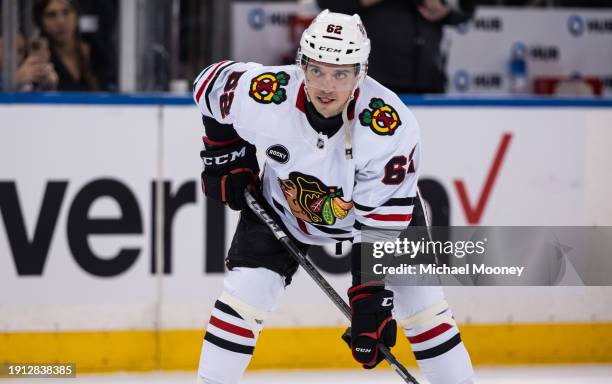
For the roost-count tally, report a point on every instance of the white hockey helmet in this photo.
(335, 38)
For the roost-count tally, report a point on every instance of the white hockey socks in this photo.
(228, 346)
(437, 346)
(237, 318)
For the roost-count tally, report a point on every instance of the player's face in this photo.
(329, 86)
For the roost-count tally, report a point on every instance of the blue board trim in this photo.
(95, 99)
(410, 100)
(506, 102)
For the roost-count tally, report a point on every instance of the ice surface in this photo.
(583, 374)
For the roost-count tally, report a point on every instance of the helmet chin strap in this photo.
(348, 146)
(348, 138)
(306, 92)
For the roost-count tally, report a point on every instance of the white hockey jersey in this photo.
(321, 196)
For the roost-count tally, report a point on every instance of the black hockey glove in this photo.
(371, 322)
(228, 171)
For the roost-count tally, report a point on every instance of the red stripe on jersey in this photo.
(205, 83)
(302, 226)
(428, 335)
(300, 102)
(383, 217)
(231, 328)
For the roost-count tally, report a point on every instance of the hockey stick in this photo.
(295, 252)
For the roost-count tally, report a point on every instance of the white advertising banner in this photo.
(85, 229)
(558, 42)
(75, 194)
(261, 32)
(501, 166)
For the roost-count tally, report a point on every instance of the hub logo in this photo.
(258, 18)
(575, 25)
(599, 25)
(462, 80)
(488, 81)
(485, 24)
(488, 24)
(544, 53)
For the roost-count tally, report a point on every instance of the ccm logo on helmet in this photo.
(363, 350)
(328, 49)
(224, 159)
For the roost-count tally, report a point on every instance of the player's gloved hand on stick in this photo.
(371, 322)
(228, 171)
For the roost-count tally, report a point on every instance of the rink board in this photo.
(283, 348)
(75, 297)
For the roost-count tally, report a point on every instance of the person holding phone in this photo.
(34, 70)
(70, 55)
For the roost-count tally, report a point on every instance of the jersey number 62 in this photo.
(226, 99)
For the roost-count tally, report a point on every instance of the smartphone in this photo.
(34, 46)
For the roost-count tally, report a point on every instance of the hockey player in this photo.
(341, 152)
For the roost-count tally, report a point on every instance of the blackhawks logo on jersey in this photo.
(383, 119)
(267, 87)
(312, 201)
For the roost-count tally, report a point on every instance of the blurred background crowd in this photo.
(419, 46)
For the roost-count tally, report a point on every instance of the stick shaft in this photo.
(295, 252)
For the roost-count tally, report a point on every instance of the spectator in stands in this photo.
(34, 70)
(406, 36)
(70, 55)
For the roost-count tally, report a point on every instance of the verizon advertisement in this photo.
(103, 225)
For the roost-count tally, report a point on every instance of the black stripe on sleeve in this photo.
(399, 202)
(393, 202)
(341, 239)
(363, 207)
(209, 87)
(440, 349)
(278, 205)
(226, 309)
(331, 231)
(230, 346)
(200, 76)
